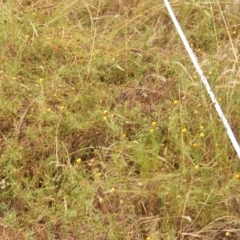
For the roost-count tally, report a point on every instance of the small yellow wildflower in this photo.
(202, 135)
(148, 238)
(99, 174)
(140, 184)
(47, 38)
(151, 130)
(112, 190)
(40, 80)
(27, 36)
(105, 118)
(121, 202)
(199, 49)
(49, 110)
(33, 14)
(195, 112)
(105, 112)
(79, 160)
(124, 135)
(237, 176)
(234, 32)
(14, 78)
(201, 127)
(184, 130)
(197, 167)
(210, 73)
(227, 234)
(100, 200)
(175, 102)
(154, 123)
(195, 76)
(196, 144)
(61, 108)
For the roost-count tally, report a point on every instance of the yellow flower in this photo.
(49, 110)
(202, 135)
(196, 144)
(154, 123)
(121, 202)
(105, 118)
(112, 190)
(79, 160)
(151, 130)
(227, 234)
(123, 135)
(184, 130)
(148, 238)
(196, 167)
(195, 76)
(201, 127)
(40, 80)
(175, 102)
(237, 176)
(61, 108)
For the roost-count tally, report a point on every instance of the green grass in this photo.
(106, 131)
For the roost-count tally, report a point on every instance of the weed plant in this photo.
(106, 131)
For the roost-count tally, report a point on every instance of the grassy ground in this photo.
(106, 131)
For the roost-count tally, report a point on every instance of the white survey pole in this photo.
(204, 79)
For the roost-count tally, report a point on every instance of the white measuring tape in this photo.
(204, 80)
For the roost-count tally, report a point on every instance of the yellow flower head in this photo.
(79, 160)
(184, 130)
(202, 135)
(175, 102)
(112, 190)
(154, 123)
(124, 135)
(196, 144)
